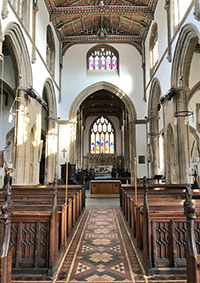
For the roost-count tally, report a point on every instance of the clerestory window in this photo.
(153, 46)
(179, 9)
(103, 57)
(102, 137)
(22, 9)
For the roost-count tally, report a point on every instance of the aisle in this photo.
(101, 251)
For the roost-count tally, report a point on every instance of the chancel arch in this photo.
(125, 120)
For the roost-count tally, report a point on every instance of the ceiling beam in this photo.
(69, 23)
(121, 10)
(94, 38)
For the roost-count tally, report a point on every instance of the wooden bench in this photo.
(158, 225)
(41, 225)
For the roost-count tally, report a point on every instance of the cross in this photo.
(64, 151)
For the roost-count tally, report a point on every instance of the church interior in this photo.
(100, 141)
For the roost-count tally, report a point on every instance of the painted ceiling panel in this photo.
(104, 21)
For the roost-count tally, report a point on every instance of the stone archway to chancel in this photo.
(131, 118)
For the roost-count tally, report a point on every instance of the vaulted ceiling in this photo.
(94, 21)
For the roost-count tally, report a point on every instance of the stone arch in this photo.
(128, 105)
(185, 46)
(106, 86)
(51, 134)
(51, 97)
(16, 39)
(181, 65)
(153, 116)
(23, 79)
(50, 50)
(170, 156)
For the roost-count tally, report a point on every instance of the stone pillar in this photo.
(4, 12)
(20, 140)
(78, 141)
(51, 149)
(126, 142)
(73, 139)
(182, 131)
(35, 10)
(132, 147)
(82, 139)
(167, 8)
(197, 10)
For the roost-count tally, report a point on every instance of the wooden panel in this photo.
(105, 188)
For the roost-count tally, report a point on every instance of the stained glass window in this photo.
(114, 62)
(108, 62)
(91, 62)
(102, 58)
(96, 62)
(102, 137)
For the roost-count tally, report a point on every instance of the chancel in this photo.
(100, 141)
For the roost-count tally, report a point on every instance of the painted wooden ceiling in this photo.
(94, 21)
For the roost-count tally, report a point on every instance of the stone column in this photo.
(51, 149)
(20, 140)
(126, 142)
(78, 141)
(82, 138)
(35, 10)
(197, 10)
(182, 135)
(167, 8)
(132, 147)
(4, 12)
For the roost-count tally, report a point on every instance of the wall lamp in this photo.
(169, 95)
(32, 93)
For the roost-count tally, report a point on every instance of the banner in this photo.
(103, 169)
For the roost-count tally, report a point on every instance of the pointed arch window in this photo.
(22, 9)
(102, 137)
(153, 46)
(103, 57)
(179, 10)
(50, 51)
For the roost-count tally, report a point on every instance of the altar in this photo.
(105, 188)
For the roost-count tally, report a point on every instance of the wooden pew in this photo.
(159, 227)
(42, 224)
(192, 255)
